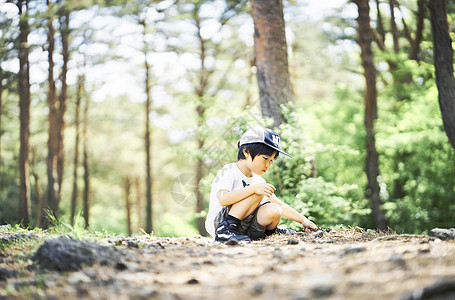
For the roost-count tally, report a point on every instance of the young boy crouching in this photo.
(243, 207)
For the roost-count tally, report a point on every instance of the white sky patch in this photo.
(114, 78)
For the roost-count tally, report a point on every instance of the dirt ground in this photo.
(348, 264)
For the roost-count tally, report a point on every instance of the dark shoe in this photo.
(280, 231)
(284, 231)
(229, 231)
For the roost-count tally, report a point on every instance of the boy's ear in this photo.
(246, 152)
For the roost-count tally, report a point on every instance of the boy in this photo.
(243, 206)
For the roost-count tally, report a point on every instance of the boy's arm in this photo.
(232, 197)
(292, 214)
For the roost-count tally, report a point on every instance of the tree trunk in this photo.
(39, 193)
(372, 166)
(200, 206)
(86, 196)
(393, 27)
(148, 146)
(443, 62)
(52, 182)
(24, 104)
(380, 23)
(128, 205)
(270, 46)
(80, 83)
(415, 50)
(39, 198)
(1, 113)
(200, 92)
(138, 203)
(64, 32)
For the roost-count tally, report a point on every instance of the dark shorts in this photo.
(248, 226)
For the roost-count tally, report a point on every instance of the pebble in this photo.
(350, 250)
(79, 277)
(293, 242)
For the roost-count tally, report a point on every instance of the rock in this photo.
(318, 234)
(322, 291)
(259, 288)
(439, 290)
(232, 242)
(293, 242)
(65, 254)
(350, 250)
(193, 281)
(78, 277)
(5, 274)
(16, 237)
(443, 234)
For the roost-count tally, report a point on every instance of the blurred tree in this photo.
(24, 104)
(208, 78)
(86, 194)
(372, 164)
(148, 137)
(443, 62)
(63, 12)
(271, 58)
(127, 189)
(52, 157)
(80, 86)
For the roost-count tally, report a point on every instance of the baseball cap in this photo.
(259, 134)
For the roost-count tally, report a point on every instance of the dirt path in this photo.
(336, 265)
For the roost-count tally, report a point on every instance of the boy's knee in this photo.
(273, 210)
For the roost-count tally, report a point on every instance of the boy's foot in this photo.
(228, 231)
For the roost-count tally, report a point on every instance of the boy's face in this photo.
(261, 163)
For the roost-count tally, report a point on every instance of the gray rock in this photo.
(322, 291)
(5, 274)
(15, 238)
(293, 241)
(440, 290)
(443, 233)
(351, 250)
(65, 254)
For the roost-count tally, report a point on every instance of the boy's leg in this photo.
(229, 228)
(269, 215)
(265, 219)
(245, 207)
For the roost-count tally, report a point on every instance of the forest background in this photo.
(139, 103)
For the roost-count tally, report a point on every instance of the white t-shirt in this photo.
(229, 178)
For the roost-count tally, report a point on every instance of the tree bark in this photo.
(138, 202)
(380, 23)
(1, 113)
(52, 181)
(86, 196)
(128, 204)
(415, 50)
(271, 60)
(80, 83)
(39, 198)
(443, 62)
(64, 32)
(393, 27)
(24, 104)
(147, 137)
(372, 166)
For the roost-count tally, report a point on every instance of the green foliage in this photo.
(418, 166)
(77, 230)
(323, 202)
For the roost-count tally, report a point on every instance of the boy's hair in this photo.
(255, 149)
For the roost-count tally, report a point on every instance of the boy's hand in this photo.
(308, 224)
(265, 189)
